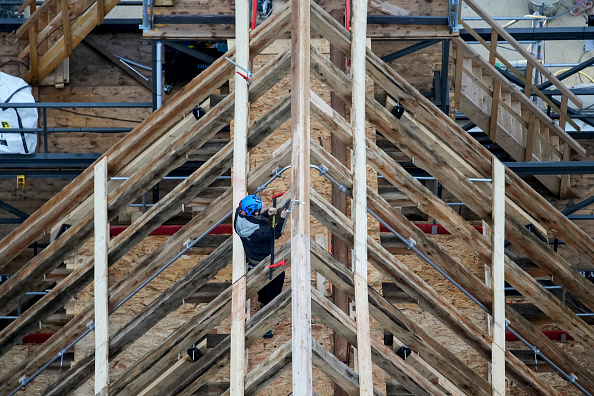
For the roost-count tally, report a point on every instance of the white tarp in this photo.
(16, 90)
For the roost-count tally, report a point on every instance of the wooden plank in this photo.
(136, 142)
(341, 348)
(522, 51)
(419, 194)
(33, 55)
(530, 138)
(217, 209)
(383, 356)
(65, 11)
(498, 274)
(100, 49)
(238, 364)
(359, 202)
(458, 74)
(494, 111)
(300, 220)
(427, 298)
(405, 329)
(517, 95)
(101, 279)
(528, 74)
(336, 370)
(565, 179)
(478, 201)
(386, 8)
(272, 367)
(166, 353)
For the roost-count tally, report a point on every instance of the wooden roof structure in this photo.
(426, 134)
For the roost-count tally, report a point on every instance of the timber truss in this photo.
(423, 133)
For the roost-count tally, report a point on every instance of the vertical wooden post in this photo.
(238, 304)
(33, 53)
(101, 280)
(498, 274)
(564, 186)
(341, 347)
(65, 7)
(494, 111)
(458, 75)
(300, 185)
(529, 69)
(358, 52)
(494, 38)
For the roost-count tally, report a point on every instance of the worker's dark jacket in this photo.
(256, 234)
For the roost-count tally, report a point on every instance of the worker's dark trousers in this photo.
(273, 289)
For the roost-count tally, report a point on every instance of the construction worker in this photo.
(256, 233)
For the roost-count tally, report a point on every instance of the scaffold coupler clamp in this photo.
(188, 244)
(410, 243)
(91, 326)
(572, 378)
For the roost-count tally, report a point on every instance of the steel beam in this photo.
(409, 50)
(11, 209)
(536, 34)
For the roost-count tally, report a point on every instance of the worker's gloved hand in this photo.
(284, 214)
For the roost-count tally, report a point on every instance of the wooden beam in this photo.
(101, 50)
(426, 296)
(383, 356)
(528, 56)
(101, 280)
(359, 170)
(190, 376)
(238, 364)
(150, 366)
(337, 371)
(300, 220)
(469, 193)
(149, 174)
(498, 275)
(272, 367)
(129, 148)
(405, 329)
(151, 263)
(340, 346)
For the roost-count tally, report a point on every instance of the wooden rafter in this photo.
(135, 143)
(403, 327)
(150, 366)
(427, 297)
(414, 144)
(427, 202)
(383, 356)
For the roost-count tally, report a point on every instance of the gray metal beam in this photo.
(409, 50)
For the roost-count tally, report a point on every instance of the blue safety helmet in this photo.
(251, 204)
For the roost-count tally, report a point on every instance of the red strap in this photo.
(278, 195)
(277, 264)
